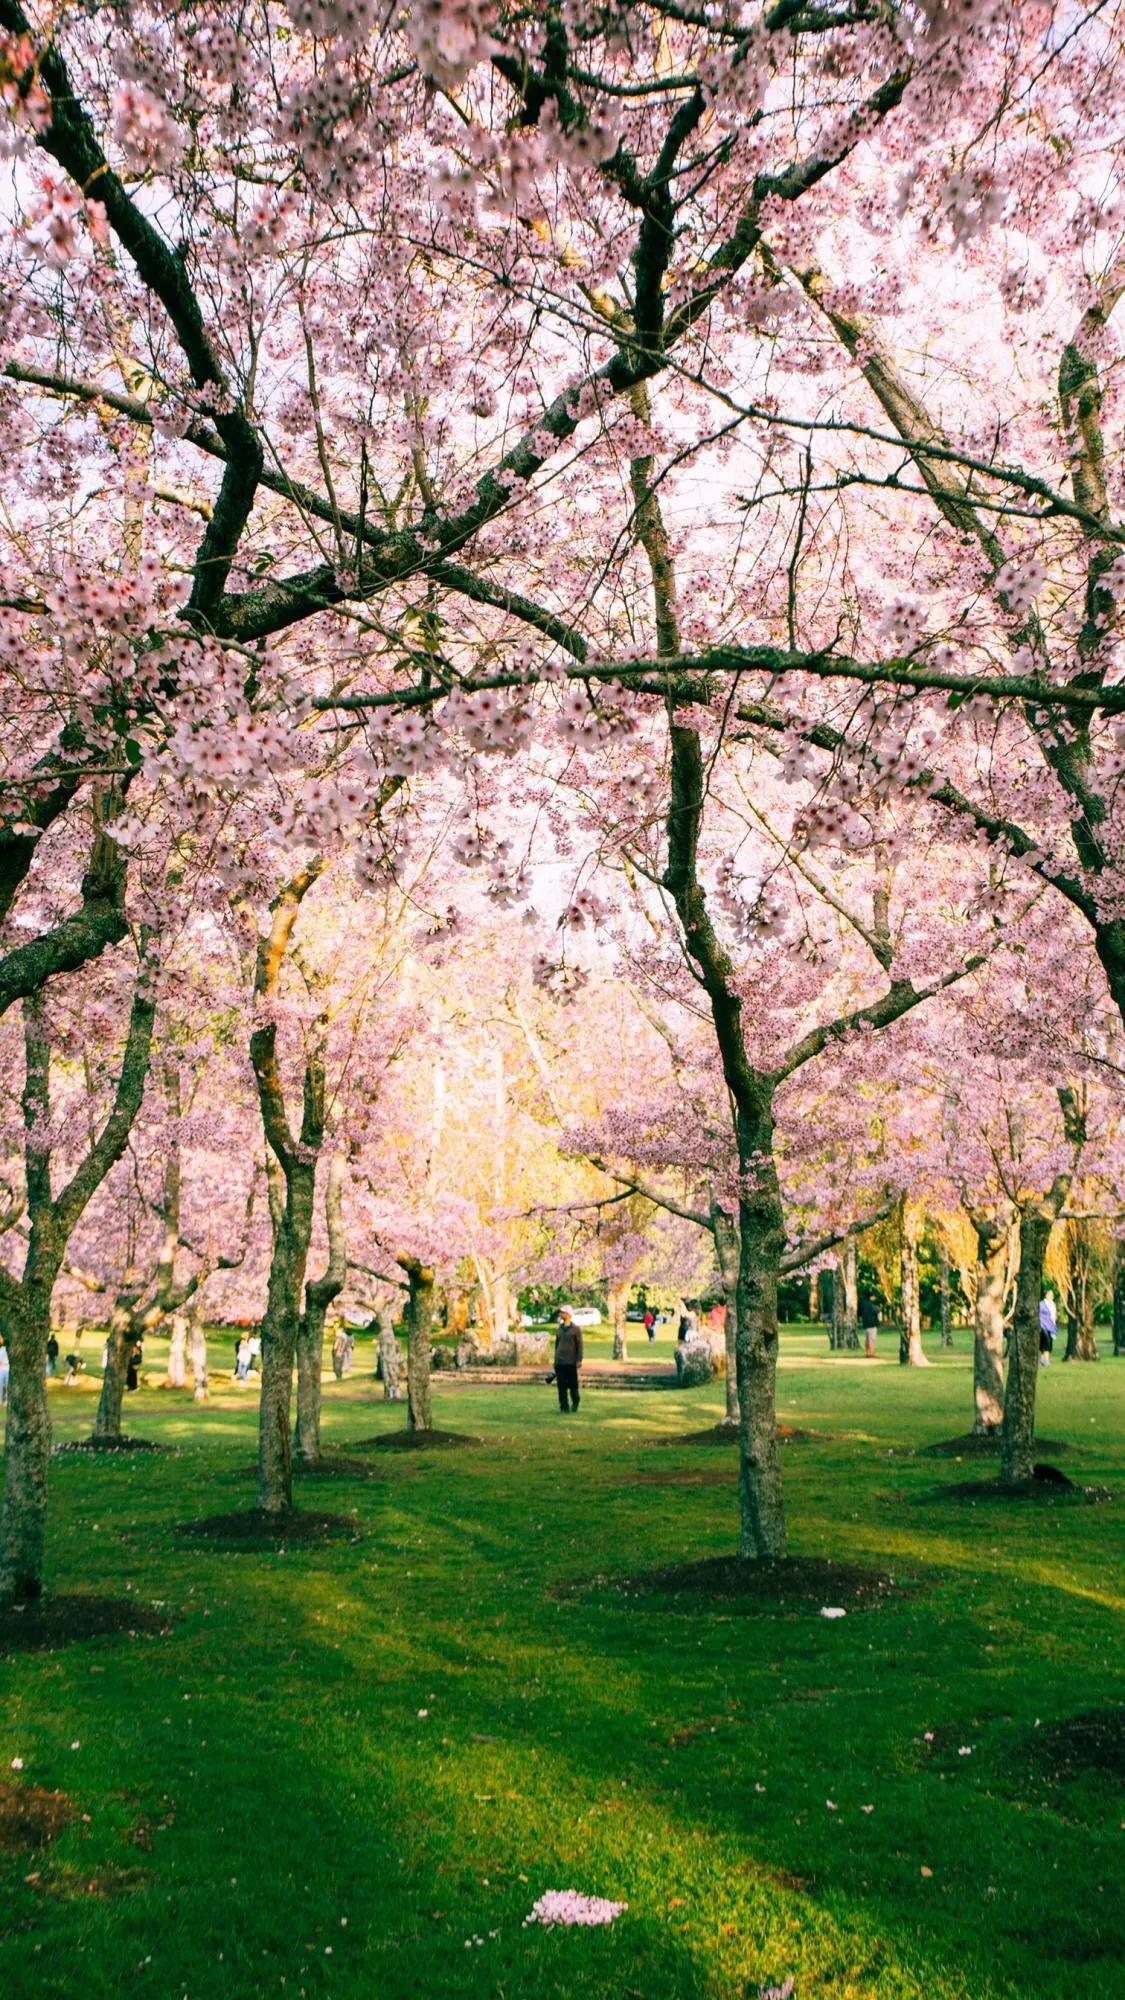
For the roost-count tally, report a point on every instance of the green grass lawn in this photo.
(351, 1770)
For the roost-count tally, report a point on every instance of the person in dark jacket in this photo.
(869, 1320)
(568, 1359)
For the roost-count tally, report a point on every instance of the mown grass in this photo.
(343, 1763)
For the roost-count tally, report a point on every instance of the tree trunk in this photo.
(826, 1300)
(1081, 1342)
(761, 1241)
(27, 1449)
(119, 1346)
(310, 1367)
(390, 1361)
(26, 1303)
(419, 1321)
(726, 1249)
(501, 1307)
(850, 1290)
(320, 1293)
(988, 1328)
(1119, 1297)
(1018, 1435)
(293, 1216)
(197, 1346)
(911, 1349)
(618, 1300)
(176, 1377)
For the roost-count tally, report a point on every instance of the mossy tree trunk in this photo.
(761, 1221)
(26, 1301)
(1081, 1340)
(176, 1376)
(992, 1234)
(1119, 1297)
(910, 1222)
(1037, 1219)
(197, 1349)
(844, 1331)
(319, 1295)
(120, 1341)
(1017, 1446)
(725, 1233)
(292, 1164)
(390, 1361)
(419, 1328)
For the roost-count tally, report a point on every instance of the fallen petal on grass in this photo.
(565, 1907)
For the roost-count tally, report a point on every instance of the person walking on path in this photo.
(568, 1359)
(869, 1321)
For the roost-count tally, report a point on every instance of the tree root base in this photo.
(333, 1466)
(417, 1441)
(253, 1527)
(796, 1584)
(1047, 1486)
(983, 1444)
(727, 1433)
(1091, 1742)
(30, 1816)
(47, 1622)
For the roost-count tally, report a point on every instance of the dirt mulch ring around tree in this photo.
(71, 1883)
(1091, 1743)
(680, 1476)
(1047, 1486)
(108, 1447)
(254, 1528)
(793, 1585)
(334, 1465)
(48, 1622)
(985, 1446)
(416, 1441)
(728, 1434)
(29, 1816)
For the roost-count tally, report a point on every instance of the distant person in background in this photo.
(1048, 1328)
(869, 1321)
(650, 1323)
(135, 1359)
(5, 1369)
(52, 1356)
(568, 1359)
(349, 1350)
(74, 1368)
(255, 1353)
(242, 1360)
(683, 1329)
